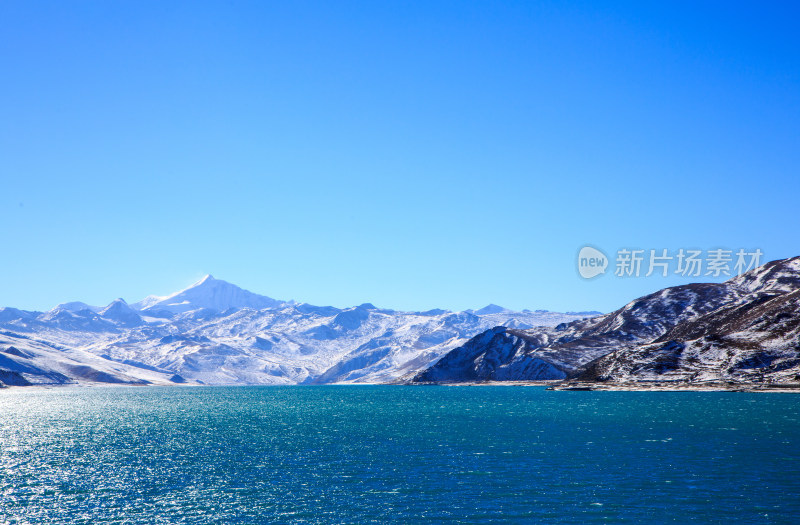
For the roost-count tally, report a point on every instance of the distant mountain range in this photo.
(217, 333)
(743, 331)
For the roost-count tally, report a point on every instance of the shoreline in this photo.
(540, 383)
(790, 388)
(655, 386)
(551, 385)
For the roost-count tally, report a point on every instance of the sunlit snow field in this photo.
(359, 454)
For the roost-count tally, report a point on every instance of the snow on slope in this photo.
(301, 344)
(121, 313)
(31, 361)
(213, 294)
(553, 353)
(77, 306)
(754, 339)
(147, 301)
(745, 329)
(216, 333)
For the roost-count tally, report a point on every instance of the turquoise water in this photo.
(372, 454)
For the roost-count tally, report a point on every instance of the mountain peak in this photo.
(207, 279)
(121, 313)
(116, 305)
(781, 275)
(212, 294)
(76, 306)
(490, 309)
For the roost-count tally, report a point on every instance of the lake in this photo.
(377, 454)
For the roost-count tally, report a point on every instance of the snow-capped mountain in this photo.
(77, 306)
(753, 339)
(209, 293)
(745, 329)
(122, 314)
(217, 333)
(147, 301)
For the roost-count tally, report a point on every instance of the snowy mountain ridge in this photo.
(744, 330)
(212, 294)
(214, 332)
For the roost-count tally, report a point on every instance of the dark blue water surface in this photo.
(376, 454)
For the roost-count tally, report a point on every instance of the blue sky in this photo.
(413, 155)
